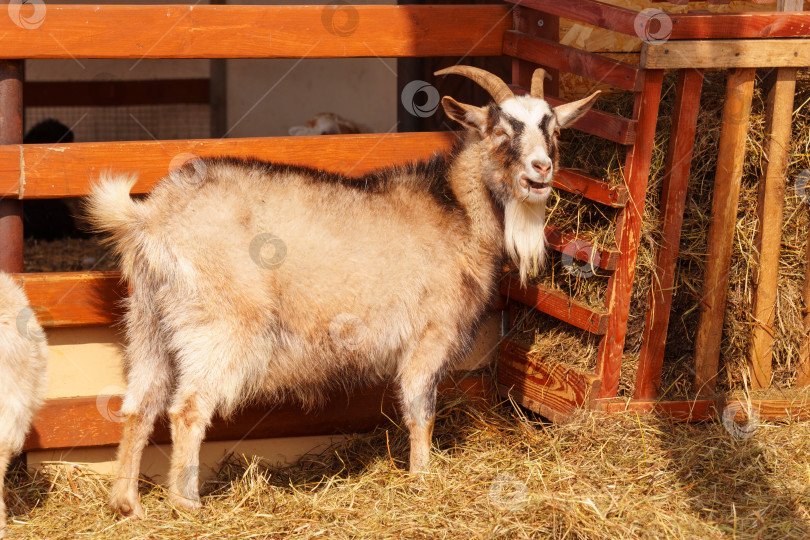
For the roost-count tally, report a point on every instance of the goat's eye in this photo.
(499, 132)
(556, 132)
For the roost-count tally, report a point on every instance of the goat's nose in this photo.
(542, 168)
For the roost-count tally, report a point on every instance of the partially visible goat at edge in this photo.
(23, 374)
(410, 255)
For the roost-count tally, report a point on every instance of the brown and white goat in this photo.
(23, 374)
(407, 257)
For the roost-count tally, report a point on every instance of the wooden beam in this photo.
(241, 31)
(556, 304)
(673, 205)
(684, 25)
(67, 170)
(768, 242)
(608, 126)
(725, 200)
(116, 93)
(726, 54)
(571, 60)
(62, 299)
(592, 188)
(697, 410)
(581, 250)
(554, 391)
(543, 25)
(95, 421)
(620, 285)
(11, 132)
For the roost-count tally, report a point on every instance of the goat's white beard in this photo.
(524, 236)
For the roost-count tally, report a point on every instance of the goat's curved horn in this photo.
(498, 89)
(537, 83)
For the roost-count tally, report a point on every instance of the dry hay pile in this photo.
(596, 223)
(494, 475)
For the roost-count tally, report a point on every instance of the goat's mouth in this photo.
(534, 186)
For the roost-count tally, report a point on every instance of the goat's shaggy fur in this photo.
(251, 279)
(23, 374)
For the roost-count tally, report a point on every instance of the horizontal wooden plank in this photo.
(239, 31)
(115, 93)
(556, 304)
(684, 25)
(697, 410)
(726, 53)
(95, 421)
(571, 60)
(712, 407)
(62, 299)
(581, 250)
(592, 188)
(554, 391)
(67, 170)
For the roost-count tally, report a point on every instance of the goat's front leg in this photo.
(418, 383)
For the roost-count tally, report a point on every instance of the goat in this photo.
(328, 124)
(23, 374)
(407, 257)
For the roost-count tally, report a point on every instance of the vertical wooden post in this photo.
(673, 203)
(11, 132)
(731, 153)
(542, 25)
(770, 204)
(620, 287)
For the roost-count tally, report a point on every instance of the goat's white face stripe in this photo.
(534, 142)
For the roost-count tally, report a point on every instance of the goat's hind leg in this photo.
(149, 381)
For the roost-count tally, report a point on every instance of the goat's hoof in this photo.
(128, 509)
(184, 504)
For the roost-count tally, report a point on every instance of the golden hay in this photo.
(495, 475)
(597, 224)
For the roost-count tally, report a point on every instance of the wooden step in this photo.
(554, 391)
(556, 304)
(581, 250)
(591, 188)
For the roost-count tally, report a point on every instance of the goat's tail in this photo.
(108, 208)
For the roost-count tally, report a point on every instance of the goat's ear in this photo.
(569, 113)
(469, 116)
